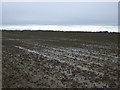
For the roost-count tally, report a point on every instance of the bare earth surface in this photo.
(60, 60)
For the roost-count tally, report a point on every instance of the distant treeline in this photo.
(56, 31)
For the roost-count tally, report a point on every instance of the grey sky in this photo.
(69, 13)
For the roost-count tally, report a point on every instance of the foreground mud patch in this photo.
(35, 63)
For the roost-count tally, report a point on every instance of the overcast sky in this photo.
(79, 13)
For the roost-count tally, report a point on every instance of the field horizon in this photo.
(76, 28)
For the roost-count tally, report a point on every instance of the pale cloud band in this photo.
(62, 28)
(59, 0)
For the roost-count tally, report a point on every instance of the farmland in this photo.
(36, 59)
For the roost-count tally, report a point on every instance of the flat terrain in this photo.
(59, 60)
